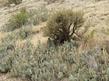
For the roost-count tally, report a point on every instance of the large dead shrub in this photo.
(62, 25)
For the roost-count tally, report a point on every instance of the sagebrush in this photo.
(55, 63)
(17, 20)
(38, 15)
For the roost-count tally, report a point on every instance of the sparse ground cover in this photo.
(26, 53)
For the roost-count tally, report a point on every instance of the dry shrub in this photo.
(24, 32)
(38, 15)
(53, 1)
(56, 63)
(63, 24)
(14, 2)
(17, 21)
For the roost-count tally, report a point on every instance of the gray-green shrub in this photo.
(7, 47)
(24, 33)
(17, 21)
(38, 15)
(56, 63)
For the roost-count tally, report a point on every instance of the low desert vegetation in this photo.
(8, 3)
(17, 21)
(63, 25)
(26, 17)
(53, 1)
(58, 62)
(24, 33)
(16, 2)
(21, 34)
(38, 15)
(54, 63)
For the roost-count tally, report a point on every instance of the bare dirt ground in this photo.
(96, 15)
